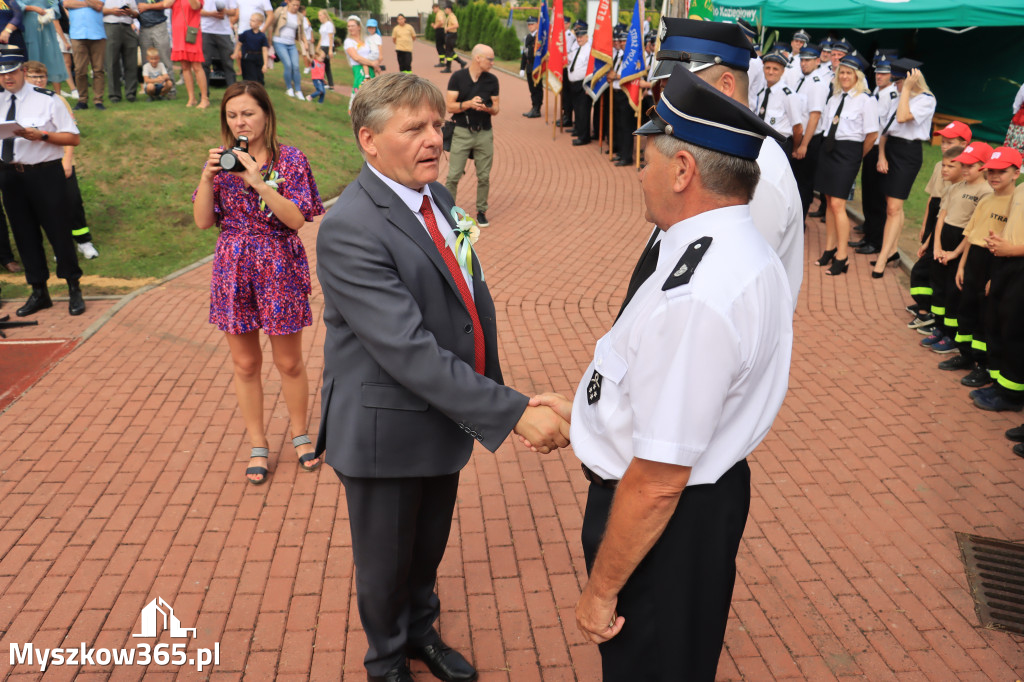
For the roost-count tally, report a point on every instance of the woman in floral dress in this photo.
(260, 272)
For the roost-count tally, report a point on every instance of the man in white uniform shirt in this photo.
(32, 182)
(579, 98)
(813, 90)
(778, 106)
(681, 390)
(719, 54)
(800, 41)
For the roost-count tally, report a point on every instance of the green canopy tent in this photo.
(971, 48)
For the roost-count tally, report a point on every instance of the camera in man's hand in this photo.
(229, 160)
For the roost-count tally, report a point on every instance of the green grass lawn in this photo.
(138, 165)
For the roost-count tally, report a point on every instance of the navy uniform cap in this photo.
(580, 30)
(748, 29)
(802, 35)
(700, 44)
(11, 58)
(780, 47)
(901, 67)
(580, 24)
(693, 111)
(883, 64)
(809, 52)
(854, 61)
(649, 37)
(842, 46)
(619, 33)
(531, 20)
(826, 46)
(776, 57)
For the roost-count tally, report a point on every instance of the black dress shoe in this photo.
(856, 244)
(39, 299)
(579, 142)
(444, 662)
(868, 249)
(624, 162)
(76, 303)
(400, 673)
(820, 213)
(1016, 433)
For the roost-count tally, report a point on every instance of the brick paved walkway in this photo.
(121, 480)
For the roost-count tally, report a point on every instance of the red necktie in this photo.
(479, 352)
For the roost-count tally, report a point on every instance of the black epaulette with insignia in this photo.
(683, 270)
(51, 93)
(594, 388)
(893, 94)
(816, 79)
(787, 90)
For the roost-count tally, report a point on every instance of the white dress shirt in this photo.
(577, 64)
(215, 26)
(414, 200)
(858, 119)
(693, 375)
(33, 108)
(117, 18)
(757, 83)
(922, 106)
(778, 213)
(888, 97)
(784, 108)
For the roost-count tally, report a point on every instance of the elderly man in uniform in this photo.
(32, 182)
(680, 391)
(526, 69)
(574, 91)
(720, 54)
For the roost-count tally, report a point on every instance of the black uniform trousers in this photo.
(6, 253)
(449, 47)
(79, 227)
(1005, 327)
(36, 197)
(676, 603)
(580, 110)
(566, 100)
(439, 44)
(400, 528)
(252, 67)
(625, 124)
(404, 61)
(945, 294)
(536, 89)
(805, 170)
(921, 273)
(872, 199)
(970, 333)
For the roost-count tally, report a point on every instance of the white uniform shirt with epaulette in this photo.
(858, 119)
(922, 106)
(695, 370)
(755, 81)
(616, 67)
(778, 213)
(783, 110)
(812, 91)
(41, 109)
(887, 98)
(792, 73)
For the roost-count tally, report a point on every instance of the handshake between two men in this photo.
(544, 425)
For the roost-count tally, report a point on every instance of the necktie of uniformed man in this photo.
(764, 104)
(7, 150)
(830, 137)
(479, 351)
(645, 267)
(802, 79)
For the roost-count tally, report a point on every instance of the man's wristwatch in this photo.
(45, 137)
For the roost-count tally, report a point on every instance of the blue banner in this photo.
(540, 47)
(633, 66)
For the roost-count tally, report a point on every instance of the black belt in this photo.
(22, 167)
(902, 140)
(608, 483)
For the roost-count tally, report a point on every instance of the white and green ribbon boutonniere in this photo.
(273, 180)
(466, 233)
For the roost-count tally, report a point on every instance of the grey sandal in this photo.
(259, 471)
(309, 456)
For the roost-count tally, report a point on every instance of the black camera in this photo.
(229, 158)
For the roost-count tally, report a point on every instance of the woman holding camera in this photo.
(260, 272)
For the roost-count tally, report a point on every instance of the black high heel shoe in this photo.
(839, 267)
(877, 275)
(826, 257)
(891, 259)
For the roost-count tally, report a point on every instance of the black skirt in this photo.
(838, 168)
(904, 157)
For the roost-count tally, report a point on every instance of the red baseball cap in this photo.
(1003, 157)
(975, 152)
(957, 129)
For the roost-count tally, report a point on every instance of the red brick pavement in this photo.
(122, 479)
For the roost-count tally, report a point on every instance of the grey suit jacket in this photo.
(400, 395)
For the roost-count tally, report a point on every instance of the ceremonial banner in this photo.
(601, 51)
(556, 48)
(540, 48)
(633, 67)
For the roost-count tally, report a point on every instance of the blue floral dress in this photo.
(260, 272)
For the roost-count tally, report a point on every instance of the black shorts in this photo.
(904, 157)
(838, 168)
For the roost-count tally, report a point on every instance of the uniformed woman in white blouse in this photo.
(899, 151)
(850, 126)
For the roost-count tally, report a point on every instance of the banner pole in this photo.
(636, 150)
(554, 125)
(611, 127)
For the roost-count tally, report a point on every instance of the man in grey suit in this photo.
(411, 374)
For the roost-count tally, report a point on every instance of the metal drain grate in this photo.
(995, 572)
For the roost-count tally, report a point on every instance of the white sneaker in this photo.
(290, 92)
(74, 94)
(305, 70)
(299, 96)
(88, 250)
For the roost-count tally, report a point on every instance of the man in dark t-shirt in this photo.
(472, 99)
